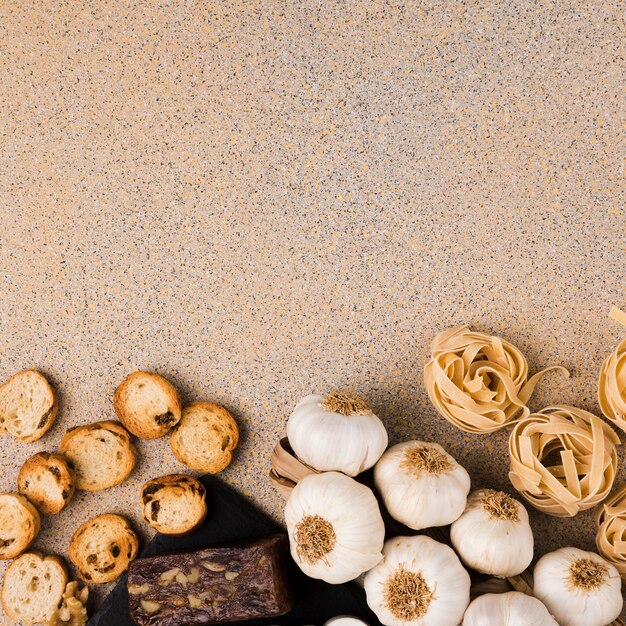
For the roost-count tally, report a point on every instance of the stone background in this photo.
(263, 199)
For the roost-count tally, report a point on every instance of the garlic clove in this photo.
(507, 609)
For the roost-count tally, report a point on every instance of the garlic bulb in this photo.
(507, 609)
(493, 536)
(419, 582)
(421, 484)
(579, 588)
(336, 433)
(335, 528)
(345, 620)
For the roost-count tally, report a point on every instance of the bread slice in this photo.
(102, 454)
(33, 587)
(19, 524)
(103, 547)
(147, 404)
(174, 504)
(47, 480)
(205, 437)
(28, 405)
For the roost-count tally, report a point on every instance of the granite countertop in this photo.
(263, 199)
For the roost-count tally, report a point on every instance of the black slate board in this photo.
(232, 517)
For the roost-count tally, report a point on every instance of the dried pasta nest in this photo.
(478, 382)
(563, 460)
(612, 382)
(611, 537)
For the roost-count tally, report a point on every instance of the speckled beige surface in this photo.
(262, 199)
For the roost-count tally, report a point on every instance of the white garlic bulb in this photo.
(507, 609)
(419, 582)
(421, 484)
(579, 588)
(338, 432)
(493, 536)
(335, 528)
(345, 620)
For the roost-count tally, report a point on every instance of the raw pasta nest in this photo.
(611, 537)
(612, 383)
(478, 382)
(586, 448)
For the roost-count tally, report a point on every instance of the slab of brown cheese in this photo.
(211, 586)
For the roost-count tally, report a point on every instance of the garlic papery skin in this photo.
(421, 484)
(338, 432)
(579, 588)
(493, 536)
(507, 609)
(419, 582)
(335, 528)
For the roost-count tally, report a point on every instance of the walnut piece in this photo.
(194, 601)
(149, 606)
(72, 611)
(168, 577)
(212, 567)
(194, 575)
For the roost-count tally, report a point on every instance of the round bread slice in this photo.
(205, 437)
(102, 454)
(103, 547)
(19, 524)
(28, 405)
(147, 404)
(47, 480)
(33, 587)
(174, 504)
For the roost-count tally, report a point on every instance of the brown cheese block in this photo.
(211, 586)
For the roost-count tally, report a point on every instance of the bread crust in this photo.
(205, 437)
(147, 404)
(47, 480)
(174, 504)
(19, 524)
(103, 547)
(102, 453)
(10, 404)
(55, 566)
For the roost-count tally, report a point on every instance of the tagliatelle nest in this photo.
(478, 382)
(611, 537)
(612, 382)
(563, 460)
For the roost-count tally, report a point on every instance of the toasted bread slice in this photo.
(174, 504)
(205, 437)
(28, 405)
(102, 454)
(47, 480)
(19, 524)
(33, 587)
(147, 404)
(103, 547)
